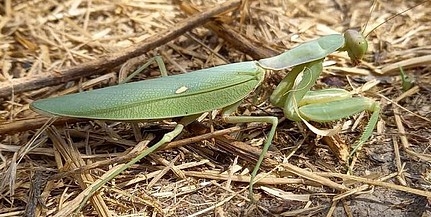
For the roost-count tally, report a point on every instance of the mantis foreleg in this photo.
(299, 103)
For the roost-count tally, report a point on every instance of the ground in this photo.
(56, 48)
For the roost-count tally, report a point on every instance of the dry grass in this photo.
(53, 48)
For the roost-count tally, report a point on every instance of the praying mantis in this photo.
(224, 87)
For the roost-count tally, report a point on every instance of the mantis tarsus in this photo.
(224, 87)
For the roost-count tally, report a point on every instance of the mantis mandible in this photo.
(224, 87)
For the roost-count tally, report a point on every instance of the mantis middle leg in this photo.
(248, 119)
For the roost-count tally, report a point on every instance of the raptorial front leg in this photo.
(343, 108)
(299, 103)
(295, 86)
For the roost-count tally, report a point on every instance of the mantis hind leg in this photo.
(163, 72)
(166, 138)
(157, 59)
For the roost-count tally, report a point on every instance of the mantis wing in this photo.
(165, 97)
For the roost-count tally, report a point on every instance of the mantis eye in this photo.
(356, 45)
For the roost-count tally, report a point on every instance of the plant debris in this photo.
(51, 48)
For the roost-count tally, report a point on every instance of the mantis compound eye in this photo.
(355, 45)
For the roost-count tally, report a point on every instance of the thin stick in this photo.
(108, 62)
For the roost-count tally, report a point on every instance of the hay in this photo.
(53, 48)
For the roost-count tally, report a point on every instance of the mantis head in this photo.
(355, 45)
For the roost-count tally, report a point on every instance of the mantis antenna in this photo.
(388, 19)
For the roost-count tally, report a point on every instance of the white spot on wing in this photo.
(182, 89)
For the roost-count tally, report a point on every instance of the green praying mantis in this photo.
(224, 87)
